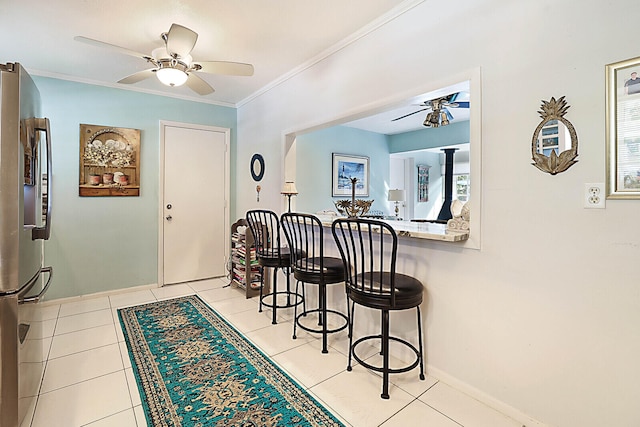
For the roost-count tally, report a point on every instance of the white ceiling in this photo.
(279, 37)
(276, 36)
(382, 122)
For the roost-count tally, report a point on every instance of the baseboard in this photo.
(99, 294)
(483, 397)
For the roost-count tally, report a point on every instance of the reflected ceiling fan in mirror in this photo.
(440, 114)
(173, 64)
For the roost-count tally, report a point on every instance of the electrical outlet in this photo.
(594, 197)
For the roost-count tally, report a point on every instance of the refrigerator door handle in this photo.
(43, 233)
(36, 298)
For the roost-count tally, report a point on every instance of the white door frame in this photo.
(227, 188)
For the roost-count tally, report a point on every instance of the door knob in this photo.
(169, 217)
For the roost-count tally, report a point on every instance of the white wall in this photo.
(557, 341)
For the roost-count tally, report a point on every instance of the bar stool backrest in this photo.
(265, 227)
(368, 248)
(305, 238)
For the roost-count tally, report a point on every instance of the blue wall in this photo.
(104, 243)
(314, 163)
(455, 133)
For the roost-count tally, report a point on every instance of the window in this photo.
(462, 187)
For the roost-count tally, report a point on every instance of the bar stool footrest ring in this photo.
(319, 330)
(274, 296)
(381, 369)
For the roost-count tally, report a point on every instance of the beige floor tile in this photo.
(35, 350)
(82, 366)
(172, 291)
(49, 327)
(464, 409)
(84, 306)
(50, 312)
(124, 354)
(218, 294)
(118, 326)
(84, 402)
(355, 396)
(140, 417)
(309, 366)
(329, 408)
(122, 419)
(86, 339)
(226, 307)
(408, 381)
(426, 415)
(131, 298)
(248, 321)
(81, 321)
(31, 402)
(203, 285)
(275, 339)
(133, 387)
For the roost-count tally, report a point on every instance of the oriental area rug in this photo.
(193, 369)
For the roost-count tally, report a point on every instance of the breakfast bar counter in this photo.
(418, 230)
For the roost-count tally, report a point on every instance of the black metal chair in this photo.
(368, 249)
(304, 234)
(265, 227)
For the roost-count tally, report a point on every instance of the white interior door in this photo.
(195, 189)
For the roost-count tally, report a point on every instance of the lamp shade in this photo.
(396, 196)
(289, 188)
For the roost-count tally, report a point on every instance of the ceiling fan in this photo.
(439, 114)
(173, 64)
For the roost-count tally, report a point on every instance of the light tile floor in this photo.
(88, 379)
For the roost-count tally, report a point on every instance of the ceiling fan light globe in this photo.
(172, 76)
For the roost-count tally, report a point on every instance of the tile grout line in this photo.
(108, 416)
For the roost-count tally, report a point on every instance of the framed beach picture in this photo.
(623, 129)
(346, 167)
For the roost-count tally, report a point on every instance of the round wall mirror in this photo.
(257, 167)
(554, 146)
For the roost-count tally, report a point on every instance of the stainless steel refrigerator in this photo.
(25, 222)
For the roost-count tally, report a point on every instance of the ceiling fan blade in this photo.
(180, 40)
(113, 47)
(227, 68)
(137, 77)
(410, 114)
(462, 104)
(448, 113)
(196, 84)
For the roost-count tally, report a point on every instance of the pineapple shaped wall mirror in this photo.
(554, 146)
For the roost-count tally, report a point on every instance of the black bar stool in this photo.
(305, 237)
(265, 227)
(368, 248)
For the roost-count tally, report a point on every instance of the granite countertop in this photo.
(417, 230)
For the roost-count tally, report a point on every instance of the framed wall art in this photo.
(623, 129)
(423, 183)
(346, 167)
(109, 161)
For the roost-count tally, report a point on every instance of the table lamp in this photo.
(289, 190)
(396, 196)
